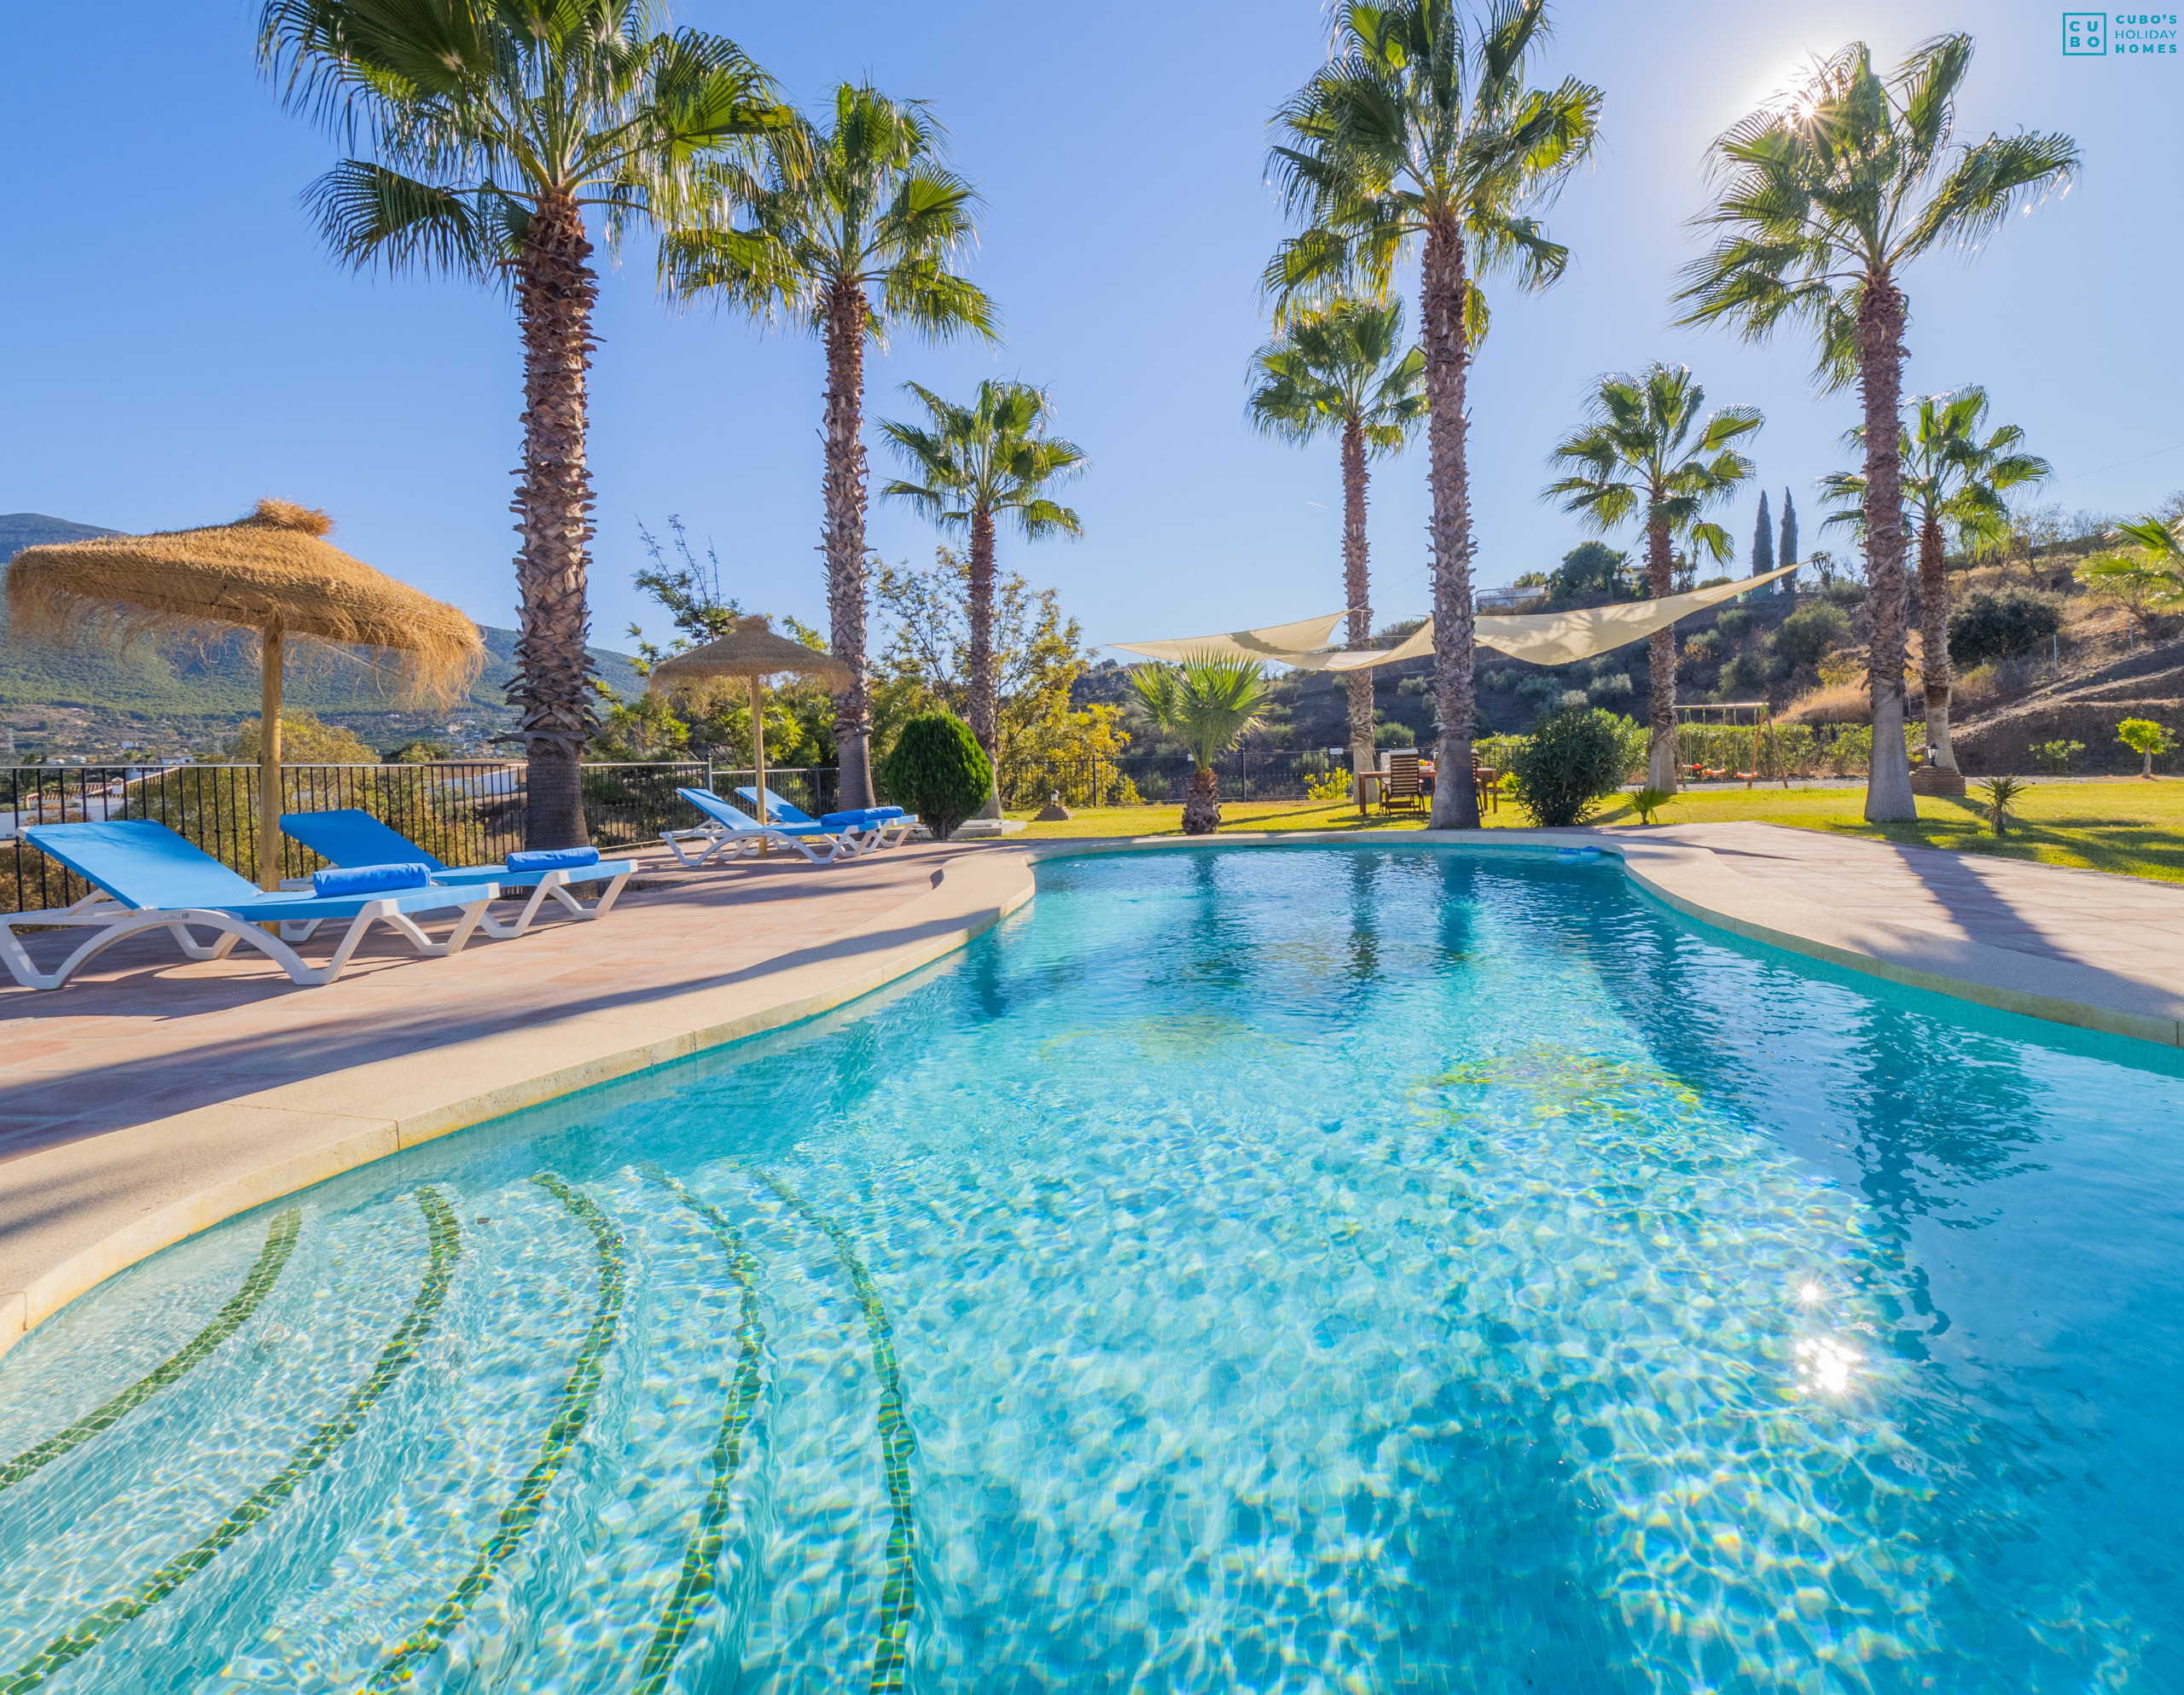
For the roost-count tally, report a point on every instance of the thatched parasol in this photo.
(751, 651)
(272, 572)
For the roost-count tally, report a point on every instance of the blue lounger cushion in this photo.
(338, 880)
(147, 867)
(778, 811)
(350, 836)
(554, 859)
(738, 821)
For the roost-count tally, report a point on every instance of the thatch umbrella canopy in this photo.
(274, 573)
(752, 652)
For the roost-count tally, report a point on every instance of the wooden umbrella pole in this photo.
(269, 761)
(758, 751)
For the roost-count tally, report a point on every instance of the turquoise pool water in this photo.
(1292, 1270)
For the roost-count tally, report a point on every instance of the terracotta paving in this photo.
(145, 1033)
(2130, 926)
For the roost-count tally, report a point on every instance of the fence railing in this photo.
(461, 812)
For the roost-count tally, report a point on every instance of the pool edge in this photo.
(1695, 883)
(316, 1140)
(280, 1141)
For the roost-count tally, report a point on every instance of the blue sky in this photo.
(178, 342)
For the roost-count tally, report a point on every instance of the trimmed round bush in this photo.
(937, 771)
(1992, 623)
(1574, 760)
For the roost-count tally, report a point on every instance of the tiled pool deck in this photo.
(155, 1096)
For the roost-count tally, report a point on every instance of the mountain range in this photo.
(216, 679)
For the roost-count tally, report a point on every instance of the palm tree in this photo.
(1420, 134)
(1343, 368)
(1948, 476)
(2149, 579)
(849, 231)
(976, 462)
(1209, 702)
(493, 131)
(1825, 202)
(1639, 456)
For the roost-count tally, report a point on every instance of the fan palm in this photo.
(1949, 476)
(1824, 203)
(2153, 576)
(494, 129)
(1343, 368)
(1207, 702)
(1646, 454)
(1420, 134)
(849, 231)
(974, 463)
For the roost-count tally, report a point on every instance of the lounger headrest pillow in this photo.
(554, 859)
(858, 820)
(338, 880)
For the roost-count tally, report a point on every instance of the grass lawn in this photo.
(2130, 825)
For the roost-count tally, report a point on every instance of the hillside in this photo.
(173, 695)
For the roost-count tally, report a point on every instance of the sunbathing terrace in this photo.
(155, 1095)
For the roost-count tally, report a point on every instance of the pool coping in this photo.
(161, 1181)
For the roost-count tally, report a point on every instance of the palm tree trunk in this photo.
(1357, 589)
(555, 293)
(1202, 803)
(842, 537)
(1660, 661)
(1441, 290)
(1933, 661)
(986, 707)
(1880, 382)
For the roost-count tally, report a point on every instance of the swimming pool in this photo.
(1285, 1269)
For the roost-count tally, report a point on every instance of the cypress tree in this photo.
(1763, 540)
(1789, 554)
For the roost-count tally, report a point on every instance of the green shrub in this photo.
(1992, 623)
(1809, 632)
(1734, 624)
(1745, 675)
(1574, 760)
(2056, 756)
(1843, 594)
(937, 771)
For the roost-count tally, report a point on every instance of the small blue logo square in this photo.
(2085, 32)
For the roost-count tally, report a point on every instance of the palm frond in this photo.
(372, 216)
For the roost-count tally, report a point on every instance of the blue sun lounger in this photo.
(865, 828)
(145, 877)
(349, 836)
(728, 832)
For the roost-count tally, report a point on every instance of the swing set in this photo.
(1720, 743)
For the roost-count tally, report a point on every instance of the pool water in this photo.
(1281, 1269)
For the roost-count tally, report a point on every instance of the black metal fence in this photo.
(461, 812)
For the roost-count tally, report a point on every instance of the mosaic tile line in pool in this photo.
(444, 1239)
(897, 1448)
(694, 1588)
(578, 1394)
(272, 1260)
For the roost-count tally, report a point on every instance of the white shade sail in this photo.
(1542, 638)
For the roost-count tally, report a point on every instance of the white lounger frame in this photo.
(116, 922)
(735, 844)
(554, 883)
